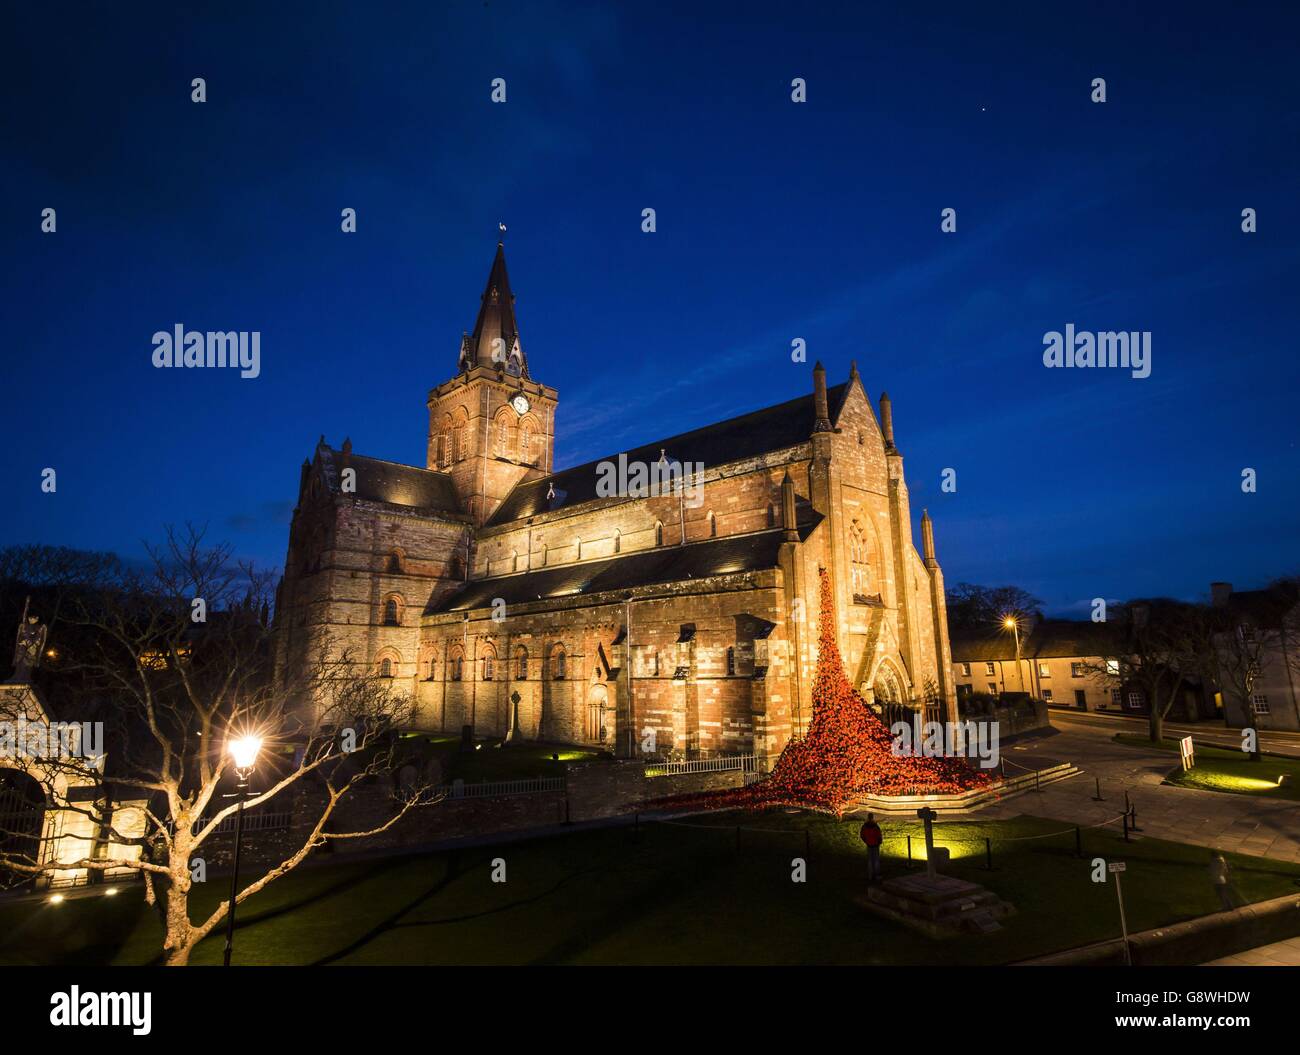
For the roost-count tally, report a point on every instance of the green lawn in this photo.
(1232, 772)
(667, 894)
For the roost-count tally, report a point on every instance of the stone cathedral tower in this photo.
(492, 425)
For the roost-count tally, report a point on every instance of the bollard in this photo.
(988, 853)
(1097, 797)
(909, 847)
(1126, 838)
(1133, 813)
(1078, 842)
(1127, 805)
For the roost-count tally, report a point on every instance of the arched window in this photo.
(521, 663)
(489, 665)
(659, 533)
(462, 443)
(526, 442)
(618, 540)
(503, 436)
(385, 668)
(558, 670)
(433, 669)
(713, 525)
(444, 443)
(577, 548)
(393, 612)
(456, 663)
(396, 562)
(514, 560)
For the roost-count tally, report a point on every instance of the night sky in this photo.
(776, 220)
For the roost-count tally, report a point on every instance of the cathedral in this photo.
(513, 600)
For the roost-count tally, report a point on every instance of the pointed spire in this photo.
(823, 414)
(494, 341)
(927, 537)
(853, 370)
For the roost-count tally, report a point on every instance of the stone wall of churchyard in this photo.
(594, 791)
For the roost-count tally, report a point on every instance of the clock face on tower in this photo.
(521, 405)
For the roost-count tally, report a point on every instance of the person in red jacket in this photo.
(873, 838)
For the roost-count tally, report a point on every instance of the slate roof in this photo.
(1050, 639)
(663, 564)
(401, 485)
(758, 432)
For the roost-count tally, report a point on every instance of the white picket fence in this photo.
(722, 764)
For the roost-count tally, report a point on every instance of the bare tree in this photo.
(181, 656)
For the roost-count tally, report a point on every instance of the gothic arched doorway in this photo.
(597, 704)
(22, 821)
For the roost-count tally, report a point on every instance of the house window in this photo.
(1135, 701)
(1078, 670)
(1259, 704)
(1044, 670)
(989, 668)
(1112, 668)
(993, 688)
(1047, 695)
(1081, 699)
(731, 662)
(385, 668)
(391, 615)
(1115, 696)
(965, 670)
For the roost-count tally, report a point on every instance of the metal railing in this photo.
(722, 764)
(500, 788)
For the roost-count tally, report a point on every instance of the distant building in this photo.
(1061, 661)
(1272, 618)
(1066, 663)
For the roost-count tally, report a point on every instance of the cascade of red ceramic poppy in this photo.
(847, 752)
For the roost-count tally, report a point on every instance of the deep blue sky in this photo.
(775, 221)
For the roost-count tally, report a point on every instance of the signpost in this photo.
(1116, 868)
(1187, 752)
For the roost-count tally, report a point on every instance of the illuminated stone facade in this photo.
(678, 622)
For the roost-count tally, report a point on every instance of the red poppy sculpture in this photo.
(846, 754)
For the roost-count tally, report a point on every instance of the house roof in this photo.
(664, 564)
(1267, 607)
(1049, 639)
(758, 432)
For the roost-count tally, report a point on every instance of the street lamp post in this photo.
(244, 751)
(1013, 624)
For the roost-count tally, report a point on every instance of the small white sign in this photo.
(1116, 866)
(1187, 752)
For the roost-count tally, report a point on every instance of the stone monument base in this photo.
(940, 907)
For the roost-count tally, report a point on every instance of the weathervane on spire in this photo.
(501, 227)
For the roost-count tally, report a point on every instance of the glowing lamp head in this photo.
(1009, 622)
(244, 751)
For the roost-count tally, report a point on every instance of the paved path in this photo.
(1279, 742)
(1243, 824)
(1283, 954)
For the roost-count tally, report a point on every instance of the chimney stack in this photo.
(788, 519)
